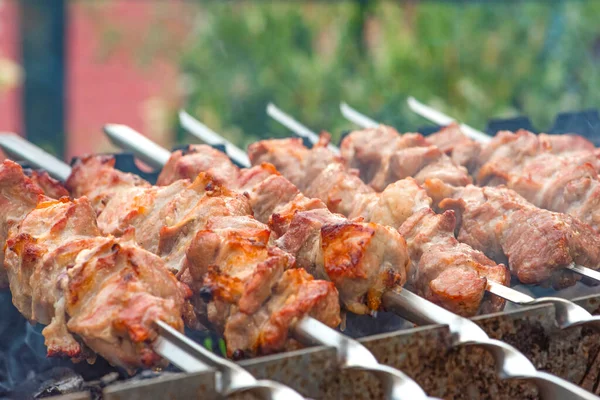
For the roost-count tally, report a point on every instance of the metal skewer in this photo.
(351, 354)
(208, 136)
(188, 356)
(443, 119)
(301, 130)
(510, 363)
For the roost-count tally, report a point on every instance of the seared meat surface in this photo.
(91, 291)
(50, 186)
(383, 156)
(205, 233)
(538, 244)
(344, 192)
(18, 196)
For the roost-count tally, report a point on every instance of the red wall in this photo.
(105, 85)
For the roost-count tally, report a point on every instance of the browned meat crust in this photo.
(206, 234)
(91, 291)
(301, 223)
(383, 156)
(538, 244)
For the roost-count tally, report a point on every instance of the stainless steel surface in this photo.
(124, 136)
(510, 363)
(168, 386)
(284, 119)
(232, 378)
(353, 355)
(20, 149)
(359, 119)
(587, 272)
(442, 119)
(208, 136)
(567, 313)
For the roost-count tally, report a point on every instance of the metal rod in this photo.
(359, 119)
(301, 130)
(20, 149)
(443, 119)
(510, 363)
(351, 354)
(121, 135)
(231, 378)
(208, 136)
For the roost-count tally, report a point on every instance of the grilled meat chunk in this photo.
(18, 196)
(461, 149)
(50, 186)
(195, 159)
(94, 291)
(383, 156)
(206, 234)
(430, 249)
(96, 178)
(566, 182)
(504, 224)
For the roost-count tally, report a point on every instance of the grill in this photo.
(424, 353)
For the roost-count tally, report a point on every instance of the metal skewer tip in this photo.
(359, 119)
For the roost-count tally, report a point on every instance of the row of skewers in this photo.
(367, 261)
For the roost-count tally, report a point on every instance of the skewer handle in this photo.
(234, 379)
(443, 119)
(353, 355)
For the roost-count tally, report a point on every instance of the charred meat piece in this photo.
(18, 196)
(383, 156)
(91, 291)
(206, 234)
(538, 244)
(527, 163)
(196, 159)
(50, 186)
(342, 191)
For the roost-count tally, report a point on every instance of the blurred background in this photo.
(68, 67)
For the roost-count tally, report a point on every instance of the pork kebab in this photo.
(496, 228)
(97, 294)
(453, 282)
(555, 172)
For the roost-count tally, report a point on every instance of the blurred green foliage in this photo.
(472, 60)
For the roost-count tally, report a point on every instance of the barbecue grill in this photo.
(425, 353)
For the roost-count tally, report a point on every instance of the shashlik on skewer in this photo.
(465, 331)
(351, 354)
(94, 292)
(556, 172)
(243, 287)
(205, 158)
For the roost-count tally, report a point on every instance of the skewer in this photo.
(170, 344)
(442, 119)
(302, 131)
(510, 363)
(176, 349)
(359, 119)
(208, 136)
